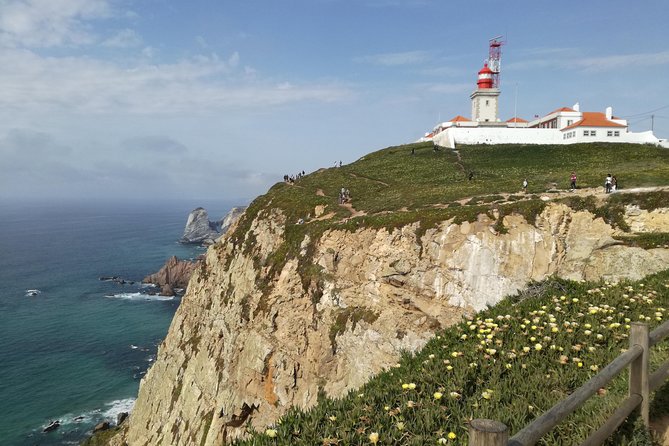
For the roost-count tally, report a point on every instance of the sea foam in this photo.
(139, 296)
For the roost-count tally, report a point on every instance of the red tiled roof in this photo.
(516, 119)
(593, 119)
(460, 118)
(563, 109)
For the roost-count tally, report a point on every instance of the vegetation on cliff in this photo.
(509, 363)
(513, 361)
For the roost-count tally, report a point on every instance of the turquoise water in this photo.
(80, 346)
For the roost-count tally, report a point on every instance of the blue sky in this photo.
(219, 99)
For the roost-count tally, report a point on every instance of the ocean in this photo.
(76, 348)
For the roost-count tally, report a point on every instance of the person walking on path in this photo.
(573, 180)
(614, 183)
(525, 185)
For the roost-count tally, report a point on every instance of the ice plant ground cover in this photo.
(508, 363)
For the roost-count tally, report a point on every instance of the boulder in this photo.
(121, 417)
(102, 426)
(52, 426)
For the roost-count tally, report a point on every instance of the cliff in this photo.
(279, 312)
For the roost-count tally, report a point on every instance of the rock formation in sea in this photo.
(173, 275)
(176, 273)
(200, 230)
(260, 331)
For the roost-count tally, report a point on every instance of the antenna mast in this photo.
(495, 59)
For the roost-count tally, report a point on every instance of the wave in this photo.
(139, 296)
(118, 406)
(107, 413)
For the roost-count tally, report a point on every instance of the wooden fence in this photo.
(494, 433)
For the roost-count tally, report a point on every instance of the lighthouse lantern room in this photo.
(485, 97)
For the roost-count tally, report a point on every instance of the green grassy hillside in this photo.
(513, 361)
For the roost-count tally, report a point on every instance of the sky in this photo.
(218, 99)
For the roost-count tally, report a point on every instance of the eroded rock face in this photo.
(174, 274)
(200, 230)
(244, 347)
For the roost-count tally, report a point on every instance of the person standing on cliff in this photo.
(573, 181)
(607, 183)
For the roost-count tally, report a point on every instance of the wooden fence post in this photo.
(638, 382)
(487, 433)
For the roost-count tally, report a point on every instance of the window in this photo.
(609, 133)
(586, 132)
(570, 121)
(487, 102)
(616, 133)
(593, 133)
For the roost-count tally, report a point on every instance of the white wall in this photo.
(503, 135)
(497, 135)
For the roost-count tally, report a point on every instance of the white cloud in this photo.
(48, 23)
(445, 88)
(80, 84)
(395, 59)
(565, 58)
(126, 38)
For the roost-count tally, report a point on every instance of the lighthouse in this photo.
(485, 97)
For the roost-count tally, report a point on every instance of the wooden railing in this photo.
(494, 433)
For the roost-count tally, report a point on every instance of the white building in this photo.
(561, 126)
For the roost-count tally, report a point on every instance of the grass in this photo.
(510, 363)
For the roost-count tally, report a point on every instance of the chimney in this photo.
(609, 112)
(576, 107)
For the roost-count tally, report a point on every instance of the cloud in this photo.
(395, 59)
(639, 60)
(569, 59)
(49, 23)
(32, 82)
(154, 144)
(126, 38)
(445, 88)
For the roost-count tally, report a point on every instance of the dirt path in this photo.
(370, 179)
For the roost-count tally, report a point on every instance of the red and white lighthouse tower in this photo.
(485, 97)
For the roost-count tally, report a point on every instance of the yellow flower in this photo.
(400, 425)
(374, 437)
(271, 433)
(594, 368)
(526, 349)
(437, 395)
(452, 436)
(442, 440)
(487, 394)
(412, 386)
(449, 367)
(332, 418)
(455, 395)
(405, 386)
(538, 347)
(580, 364)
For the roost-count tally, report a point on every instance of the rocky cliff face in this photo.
(248, 342)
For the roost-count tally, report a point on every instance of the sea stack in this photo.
(200, 230)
